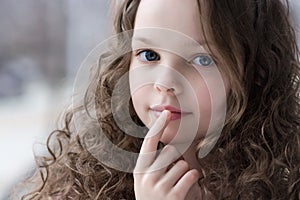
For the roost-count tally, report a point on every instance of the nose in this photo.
(171, 85)
(163, 88)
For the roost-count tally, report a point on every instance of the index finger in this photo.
(153, 136)
(148, 150)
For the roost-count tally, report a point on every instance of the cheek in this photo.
(204, 101)
(212, 103)
(140, 104)
(204, 106)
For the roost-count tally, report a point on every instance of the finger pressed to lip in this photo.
(149, 146)
(174, 115)
(159, 125)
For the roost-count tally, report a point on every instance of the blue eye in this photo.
(148, 56)
(203, 60)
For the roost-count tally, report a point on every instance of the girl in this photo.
(253, 46)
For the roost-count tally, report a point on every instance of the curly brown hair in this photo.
(257, 155)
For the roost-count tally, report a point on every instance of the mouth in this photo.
(176, 113)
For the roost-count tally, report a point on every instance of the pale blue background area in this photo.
(42, 44)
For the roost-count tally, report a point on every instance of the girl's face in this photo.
(171, 70)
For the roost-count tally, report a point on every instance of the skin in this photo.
(174, 183)
(172, 173)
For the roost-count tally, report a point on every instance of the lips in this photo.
(176, 113)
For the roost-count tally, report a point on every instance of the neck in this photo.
(190, 157)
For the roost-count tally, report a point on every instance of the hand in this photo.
(155, 176)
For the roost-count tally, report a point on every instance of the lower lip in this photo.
(174, 116)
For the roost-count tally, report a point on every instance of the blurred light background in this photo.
(42, 44)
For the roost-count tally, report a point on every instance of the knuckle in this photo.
(148, 180)
(136, 173)
(160, 186)
(183, 164)
(139, 169)
(176, 194)
(137, 176)
(147, 141)
(192, 176)
(171, 149)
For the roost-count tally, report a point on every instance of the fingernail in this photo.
(165, 114)
(158, 125)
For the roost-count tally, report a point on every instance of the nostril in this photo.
(157, 87)
(163, 88)
(171, 89)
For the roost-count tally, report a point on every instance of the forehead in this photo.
(178, 15)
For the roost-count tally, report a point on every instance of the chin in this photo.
(170, 134)
(174, 139)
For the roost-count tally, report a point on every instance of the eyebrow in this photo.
(150, 42)
(143, 40)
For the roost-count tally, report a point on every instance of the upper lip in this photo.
(172, 109)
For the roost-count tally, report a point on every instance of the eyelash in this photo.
(157, 57)
(210, 62)
(140, 52)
